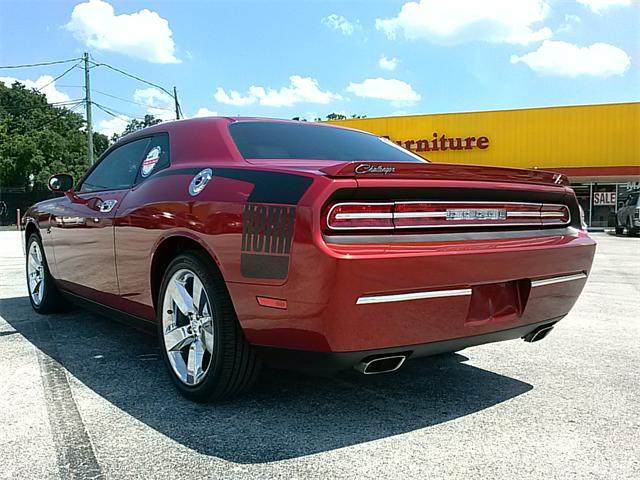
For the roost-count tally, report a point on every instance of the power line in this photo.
(65, 102)
(115, 113)
(63, 111)
(41, 64)
(58, 77)
(131, 101)
(132, 76)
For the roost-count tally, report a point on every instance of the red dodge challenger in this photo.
(308, 246)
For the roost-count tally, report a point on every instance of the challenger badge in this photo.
(366, 168)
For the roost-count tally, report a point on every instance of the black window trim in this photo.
(108, 151)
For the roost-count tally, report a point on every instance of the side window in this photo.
(118, 169)
(156, 157)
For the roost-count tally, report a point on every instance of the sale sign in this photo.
(604, 198)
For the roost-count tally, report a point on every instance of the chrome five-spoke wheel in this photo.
(187, 326)
(35, 273)
(200, 337)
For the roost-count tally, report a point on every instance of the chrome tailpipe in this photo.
(538, 334)
(377, 365)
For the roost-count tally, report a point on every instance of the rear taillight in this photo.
(554, 214)
(415, 215)
(360, 216)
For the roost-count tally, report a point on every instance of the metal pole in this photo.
(87, 102)
(175, 100)
(590, 203)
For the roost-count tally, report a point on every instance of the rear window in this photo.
(264, 140)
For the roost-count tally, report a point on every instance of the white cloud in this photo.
(159, 104)
(396, 91)
(143, 34)
(388, 63)
(113, 125)
(568, 60)
(299, 90)
(456, 21)
(338, 22)
(205, 112)
(233, 98)
(598, 6)
(52, 93)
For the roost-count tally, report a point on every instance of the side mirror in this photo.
(62, 182)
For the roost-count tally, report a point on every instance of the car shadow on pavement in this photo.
(287, 415)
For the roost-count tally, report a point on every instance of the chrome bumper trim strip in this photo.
(564, 278)
(402, 297)
(461, 292)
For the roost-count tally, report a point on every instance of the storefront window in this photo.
(604, 205)
(583, 192)
(601, 201)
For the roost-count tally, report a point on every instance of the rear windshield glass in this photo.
(263, 140)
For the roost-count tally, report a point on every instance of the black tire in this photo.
(51, 300)
(631, 231)
(234, 366)
(619, 230)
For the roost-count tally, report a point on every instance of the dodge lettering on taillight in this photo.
(476, 214)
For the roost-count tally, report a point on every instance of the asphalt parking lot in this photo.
(84, 397)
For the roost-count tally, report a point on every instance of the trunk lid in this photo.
(443, 171)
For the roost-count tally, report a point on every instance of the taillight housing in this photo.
(554, 214)
(443, 214)
(360, 216)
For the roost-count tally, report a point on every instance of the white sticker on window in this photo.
(149, 163)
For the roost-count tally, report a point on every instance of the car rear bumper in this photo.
(327, 362)
(354, 298)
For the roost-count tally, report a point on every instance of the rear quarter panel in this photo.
(161, 208)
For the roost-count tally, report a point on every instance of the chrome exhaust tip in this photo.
(538, 334)
(381, 364)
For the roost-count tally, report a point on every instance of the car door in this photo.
(83, 224)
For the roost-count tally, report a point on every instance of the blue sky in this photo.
(311, 58)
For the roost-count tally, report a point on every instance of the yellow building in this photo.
(597, 146)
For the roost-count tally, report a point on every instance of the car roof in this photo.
(205, 122)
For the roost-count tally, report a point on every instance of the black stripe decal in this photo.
(269, 187)
(267, 233)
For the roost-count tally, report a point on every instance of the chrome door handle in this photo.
(107, 205)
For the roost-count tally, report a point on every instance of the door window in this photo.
(118, 169)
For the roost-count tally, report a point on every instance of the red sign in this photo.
(442, 142)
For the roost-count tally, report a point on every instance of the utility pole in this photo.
(87, 103)
(175, 100)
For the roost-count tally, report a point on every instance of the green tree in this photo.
(136, 124)
(100, 144)
(336, 116)
(38, 140)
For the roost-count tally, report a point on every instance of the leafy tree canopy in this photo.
(38, 140)
(136, 124)
(338, 116)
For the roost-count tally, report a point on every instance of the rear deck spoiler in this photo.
(444, 171)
